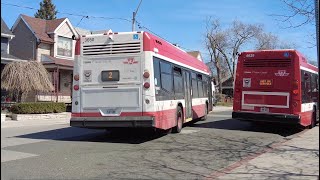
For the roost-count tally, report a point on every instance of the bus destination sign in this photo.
(265, 82)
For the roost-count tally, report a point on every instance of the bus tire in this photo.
(313, 119)
(179, 119)
(203, 118)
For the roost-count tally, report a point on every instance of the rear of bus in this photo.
(108, 81)
(267, 87)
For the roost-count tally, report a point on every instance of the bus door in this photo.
(187, 94)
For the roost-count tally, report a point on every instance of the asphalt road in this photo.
(201, 149)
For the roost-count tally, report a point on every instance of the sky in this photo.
(177, 21)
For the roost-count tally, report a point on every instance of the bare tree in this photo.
(304, 9)
(23, 77)
(239, 35)
(215, 39)
(225, 44)
(267, 41)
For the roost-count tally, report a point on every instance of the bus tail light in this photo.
(146, 85)
(76, 87)
(146, 74)
(295, 87)
(76, 77)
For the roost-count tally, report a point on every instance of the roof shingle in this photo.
(42, 27)
(4, 28)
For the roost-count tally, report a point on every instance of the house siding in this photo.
(43, 49)
(23, 45)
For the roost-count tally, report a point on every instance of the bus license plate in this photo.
(264, 109)
(110, 111)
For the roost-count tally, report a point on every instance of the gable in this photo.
(64, 30)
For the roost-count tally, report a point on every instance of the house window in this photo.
(64, 46)
(4, 44)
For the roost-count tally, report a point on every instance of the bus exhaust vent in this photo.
(114, 48)
(268, 63)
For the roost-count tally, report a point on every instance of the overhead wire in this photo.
(101, 17)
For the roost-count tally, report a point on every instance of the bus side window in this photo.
(314, 88)
(156, 67)
(306, 87)
(200, 87)
(166, 80)
(178, 83)
(194, 86)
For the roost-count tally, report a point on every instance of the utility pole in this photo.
(316, 6)
(134, 16)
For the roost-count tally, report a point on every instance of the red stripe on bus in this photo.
(265, 99)
(163, 119)
(170, 51)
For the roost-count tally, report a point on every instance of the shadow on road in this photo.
(233, 124)
(127, 136)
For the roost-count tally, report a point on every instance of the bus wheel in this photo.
(179, 119)
(313, 119)
(203, 118)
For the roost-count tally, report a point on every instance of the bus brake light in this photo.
(295, 92)
(146, 85)
(76, 87)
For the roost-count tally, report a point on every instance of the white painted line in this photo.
(188, 131)
(14, 155)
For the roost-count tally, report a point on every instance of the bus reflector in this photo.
(295, 92)
(76, 77)
(146, 74)
(76, 87)
(146, 85)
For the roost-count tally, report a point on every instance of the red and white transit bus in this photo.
(135, 79)
(276, 86)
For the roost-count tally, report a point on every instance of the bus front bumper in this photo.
(109, 122)
(261, 117)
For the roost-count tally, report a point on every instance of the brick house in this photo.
(52, 43)
(6, 57)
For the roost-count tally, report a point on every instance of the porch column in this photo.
(57, 84)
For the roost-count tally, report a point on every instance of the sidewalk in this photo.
(297, 158)
(42, 122)
(221, 108)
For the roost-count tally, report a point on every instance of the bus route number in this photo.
(89, 40)
(250, 55)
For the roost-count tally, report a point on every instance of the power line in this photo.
(99, 17)
(71, 14)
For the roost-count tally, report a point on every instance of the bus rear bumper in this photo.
(261, 117)
(109, 122)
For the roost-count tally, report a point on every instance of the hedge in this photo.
(38, 108)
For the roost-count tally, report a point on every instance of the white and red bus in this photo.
(276, 86)
(135, 79)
